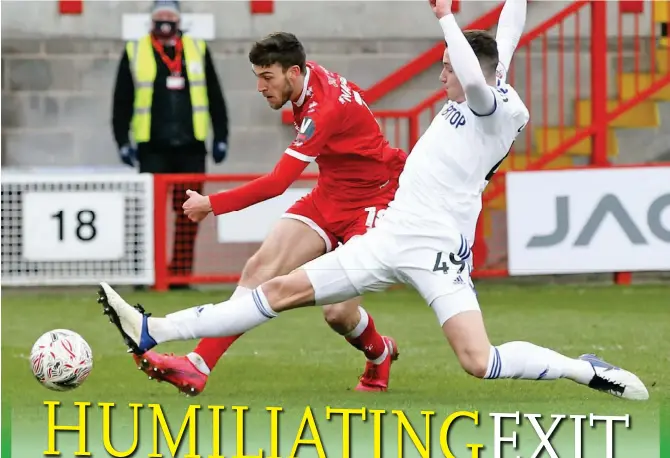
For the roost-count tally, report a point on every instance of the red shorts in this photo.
(334, 223)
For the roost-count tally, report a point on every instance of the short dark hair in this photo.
(281, 48)
(486, 49)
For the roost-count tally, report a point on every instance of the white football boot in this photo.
(131, 321)
(614, 380)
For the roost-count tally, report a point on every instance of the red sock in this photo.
(365, 337)
(212, 349)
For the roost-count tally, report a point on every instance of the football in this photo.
(61, 360)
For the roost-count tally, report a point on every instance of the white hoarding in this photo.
(589, 220)
(253, 224)
(74, 227)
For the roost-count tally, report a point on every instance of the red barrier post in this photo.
(160, 236)
(599, 82)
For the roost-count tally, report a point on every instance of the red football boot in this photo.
(175, 370)
(376, 376)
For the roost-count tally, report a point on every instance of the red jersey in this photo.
(336, 129)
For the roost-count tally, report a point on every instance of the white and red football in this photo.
(61, 360)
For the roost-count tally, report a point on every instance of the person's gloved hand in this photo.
(128, 155)
(219, 151)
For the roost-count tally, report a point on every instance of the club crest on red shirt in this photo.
(306, 131)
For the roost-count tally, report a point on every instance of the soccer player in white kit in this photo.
(424, 238)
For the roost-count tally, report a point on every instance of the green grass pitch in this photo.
(296, 360)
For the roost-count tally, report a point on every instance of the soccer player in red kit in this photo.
(358, 177)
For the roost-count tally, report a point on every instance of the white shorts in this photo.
(435, 266)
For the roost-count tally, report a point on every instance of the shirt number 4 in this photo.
(455, 262)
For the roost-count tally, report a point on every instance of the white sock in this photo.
(362, 324)
(195, 358)
(360, 328)
(382, 357)
(523, 360)
(229, 318)
(240, 291)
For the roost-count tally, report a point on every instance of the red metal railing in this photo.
(417, 117)
(553, 108)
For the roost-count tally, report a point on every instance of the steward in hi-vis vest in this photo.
(167, 105)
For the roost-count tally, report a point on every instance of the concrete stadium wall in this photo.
(58, 72)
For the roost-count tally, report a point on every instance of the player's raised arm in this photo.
(510, 28)
(464, 62)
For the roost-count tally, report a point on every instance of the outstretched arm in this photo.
(465, 64)
(287, 171)
(274, 184)
(510, 28)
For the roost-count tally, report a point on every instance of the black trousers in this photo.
(182, 159)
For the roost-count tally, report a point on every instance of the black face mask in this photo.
(165, 28)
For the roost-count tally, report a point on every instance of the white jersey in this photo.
(424, 237)
(451, 164)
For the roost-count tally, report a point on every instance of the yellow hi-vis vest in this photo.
(143, 68)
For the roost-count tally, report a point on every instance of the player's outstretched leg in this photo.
(141, 332)
(524, 360)
(353, 322)
(236, 316)
(463, 326)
